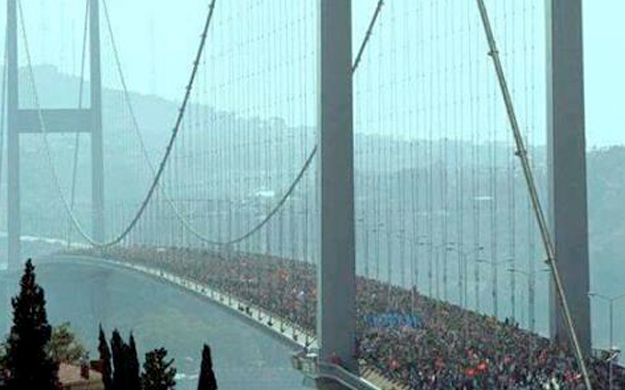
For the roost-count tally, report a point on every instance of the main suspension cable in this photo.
(168, 150)
(3, 109)
(273, 211)
(165, 158)
(521, 152)
(77, 138)
(368, 34)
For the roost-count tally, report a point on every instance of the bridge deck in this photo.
(284, 331)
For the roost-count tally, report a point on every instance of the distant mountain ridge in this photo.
(127, 174)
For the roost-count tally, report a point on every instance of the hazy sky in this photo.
(167, 31)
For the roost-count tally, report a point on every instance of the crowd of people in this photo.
(448, 347)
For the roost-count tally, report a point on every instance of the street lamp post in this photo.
(366, 254)
(414, 250)
(531, 294)
(434, 251)
(437, 268)
(376, 230)
(610, 301)
(463, 279)
(430, 249)
(476, 284)
(493, 264)
(402, 257)
(365, 232)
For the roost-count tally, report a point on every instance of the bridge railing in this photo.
(309, 365)
(289, 331)
(294, 335)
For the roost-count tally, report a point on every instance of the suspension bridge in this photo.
(346, 175)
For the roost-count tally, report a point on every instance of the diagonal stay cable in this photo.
(294, 184)
(165, 158)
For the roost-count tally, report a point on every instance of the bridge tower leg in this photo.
(567, 165)
(336, 319)
(97, 146)
(56, 121)
(13, 140)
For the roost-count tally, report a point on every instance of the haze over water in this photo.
(159, 315)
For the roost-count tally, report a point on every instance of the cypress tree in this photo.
(120, 372)
(105, 358)
(158, 374)
(126, 367)
(134, 375)
(27, 361)
(207, 376)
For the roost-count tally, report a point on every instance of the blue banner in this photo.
(393, 321)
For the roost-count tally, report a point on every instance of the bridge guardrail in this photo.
(287, 330)
(275, 323)
(312, 369)
(309, 365)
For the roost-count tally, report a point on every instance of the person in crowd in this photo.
(442, 346)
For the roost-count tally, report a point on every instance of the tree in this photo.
(207, 376)
(64, 346)
(125, 363)
(105, 359)
(158, 374)
(3, 359)
(27, 361)
(134, 375)
(119, 362)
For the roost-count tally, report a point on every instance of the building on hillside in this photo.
(79, 378)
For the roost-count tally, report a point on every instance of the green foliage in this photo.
(28, 362)
(207, 376)
(3, 363)
(158, 374)
(125, 364)
(3, 355)
(64, 346)
(105, 358)
(134, 374)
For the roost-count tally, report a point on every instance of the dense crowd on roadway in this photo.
(451, 348)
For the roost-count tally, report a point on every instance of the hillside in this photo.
(380, 184)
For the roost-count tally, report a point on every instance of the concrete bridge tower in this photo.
(336, 319)
(20, 121)
(566, 146)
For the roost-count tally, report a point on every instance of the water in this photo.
(160, 315)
